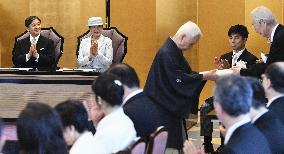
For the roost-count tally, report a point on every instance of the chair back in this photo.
(158, 141)
(50, 33)
(138, 147)
(119, 43)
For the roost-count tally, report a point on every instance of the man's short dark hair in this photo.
(275, 72)
(258, 95)
(126, 74)
(30, 19)
(238, 29)
(234, 94)
(73, 112)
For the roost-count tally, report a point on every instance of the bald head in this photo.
(187, 35)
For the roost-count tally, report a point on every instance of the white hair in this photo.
(263, 13)
(190, 29)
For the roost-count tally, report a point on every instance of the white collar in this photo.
(273, 99)
(36, 38)
(238, 53)
(273, 32)
(131, 95)
(233, 128)
(258, 115)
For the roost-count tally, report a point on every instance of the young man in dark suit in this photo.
(273, 83)
(263, 119)
(265, 24)
(136, 105)
(241, 136)
(34, 51)
(239, 56)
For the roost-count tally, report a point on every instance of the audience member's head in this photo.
(2, 137)
(74, 117)
(238, 29)
(187, 35)
(108, 90)
(33, 25)
(39, 130)
(233, 94)
(263, 21)
(127, 75)
(258, 95)
(273, 78)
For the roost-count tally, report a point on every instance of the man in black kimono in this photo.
(172, 85)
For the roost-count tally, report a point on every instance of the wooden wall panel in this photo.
(256, 42)
(170, 15)
(137, 20)
(215, 17)
(12, 13)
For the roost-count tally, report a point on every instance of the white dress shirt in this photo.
(84, 144)
(272, 33)
(104, 57)
(138, 91)
(34, 41)
(232, 129)
(114, 132)
(236, 56)
(273, 99)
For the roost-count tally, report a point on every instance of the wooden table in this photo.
(17, 88)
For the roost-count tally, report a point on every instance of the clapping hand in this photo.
(221, 63)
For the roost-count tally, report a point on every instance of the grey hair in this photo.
(234, 94)
(263, 13)
(190, 29)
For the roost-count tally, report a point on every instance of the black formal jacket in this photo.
(276, 54)
(277, 107)
(175, 88)
(247, 140)
(45, 49)
(246, 56)
(144, 114)
(272, 128)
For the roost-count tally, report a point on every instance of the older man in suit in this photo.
(241, 136)
(35, 51)
(263, 119)
(265, 24)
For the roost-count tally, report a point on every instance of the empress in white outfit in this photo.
(104, 57)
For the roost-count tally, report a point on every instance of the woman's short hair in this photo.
(30, 19)
(39, 130)
(73, 112)
(109, 88)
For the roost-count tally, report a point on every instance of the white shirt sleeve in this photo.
(84, 53)
(105, 53)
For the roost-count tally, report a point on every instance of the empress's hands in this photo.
(189, 148)
(93, 49)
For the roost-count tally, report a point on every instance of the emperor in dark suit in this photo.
(34, 51)
(173, 85)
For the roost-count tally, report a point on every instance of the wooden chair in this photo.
(158, 141)
(119, 43)
(50, 33)
(138, 147)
